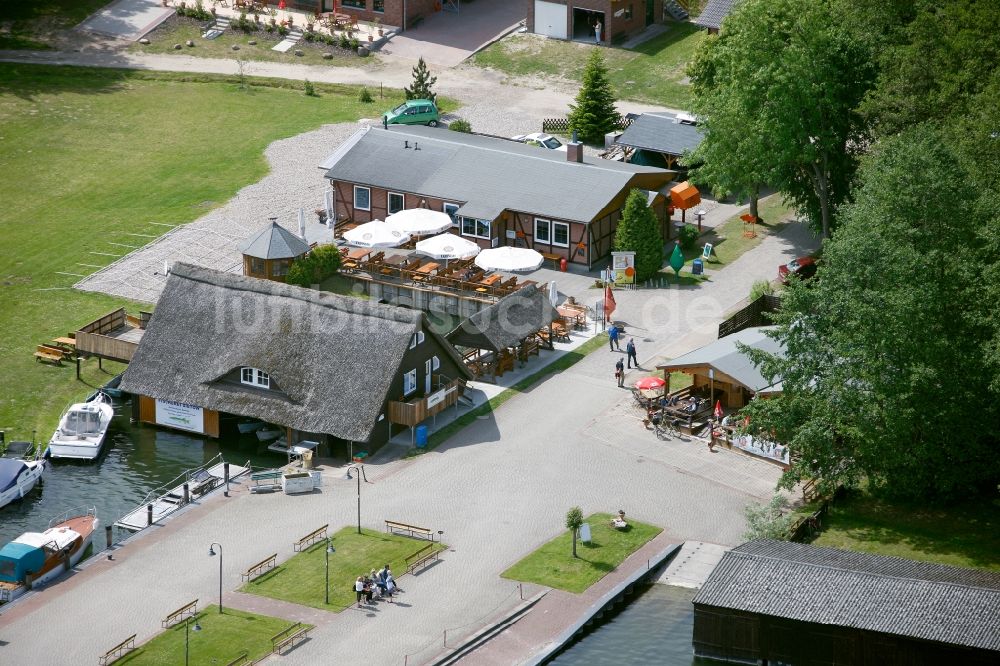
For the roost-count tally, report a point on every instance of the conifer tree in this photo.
(594, 113)
(638, 231)
(422, 82)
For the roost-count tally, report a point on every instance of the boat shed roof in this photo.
(725, 356)
(508, 321)
(661, 133)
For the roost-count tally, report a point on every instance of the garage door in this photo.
(550, 19)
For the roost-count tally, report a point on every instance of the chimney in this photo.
(416, 146)
(574, 151)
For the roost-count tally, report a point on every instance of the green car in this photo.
(413, 112)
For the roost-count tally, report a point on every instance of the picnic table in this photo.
(488, 282)
(69, 342)
(424, 272)
(572, 315)
(359, 254)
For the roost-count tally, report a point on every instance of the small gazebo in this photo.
(683, 196)
(269, 253)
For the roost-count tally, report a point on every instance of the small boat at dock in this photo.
(82, 429)
(18, 477)
(36, 558)
(249, 426)
(268, 434)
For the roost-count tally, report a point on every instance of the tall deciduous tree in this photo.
(638, 231)
(574, 519)
(422, 83)
(781, 86)
(883, 375)
(594, 113)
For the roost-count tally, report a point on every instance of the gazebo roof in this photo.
(274, 242)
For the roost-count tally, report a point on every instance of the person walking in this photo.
(620, 372)
(630, 352)
(613, 338)
(359, 589)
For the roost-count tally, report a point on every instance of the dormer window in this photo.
(255, 377)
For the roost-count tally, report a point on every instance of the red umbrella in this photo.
(718, 410)
(650, 383)
(281, 5)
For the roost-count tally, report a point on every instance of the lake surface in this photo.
(136, 459)
(653, 628)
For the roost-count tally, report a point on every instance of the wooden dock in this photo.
(200, 482)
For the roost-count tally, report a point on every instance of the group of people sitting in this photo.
(377, 585)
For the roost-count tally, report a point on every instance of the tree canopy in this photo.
(422, 83)
(594, 113)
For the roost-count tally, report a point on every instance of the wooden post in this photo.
(77, 367)
(99, 366)
(107, 535)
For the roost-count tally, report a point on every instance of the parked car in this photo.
(803, 268)
(541, 140)
(413, 112)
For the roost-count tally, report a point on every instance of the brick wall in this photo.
(614, 26)
(393, 14)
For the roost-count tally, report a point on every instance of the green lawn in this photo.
(178, 30)
(27, 24)
(300, 580)
(653, 72)
(93, 157)
(222, 639)
(553, 565)
(963, 536)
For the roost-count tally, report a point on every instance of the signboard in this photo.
(179, 415)
(623, 266)
(438, 397)
(511, 233)
(706, 252)
(585, 533)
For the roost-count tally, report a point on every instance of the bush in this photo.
(330, 39)
(321, 263)
(354, 43)
(269, 27)
(365, 97)
(761, 288)
(344, 42)
(766, 521)
(688, 236)
(309, 36)
(282, 30)
(461, 125)
(309, 89)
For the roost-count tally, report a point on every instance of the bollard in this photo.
(225, 473)
(187, 493)
(149, 515)
(444, 640)
(520, 589)
(107, 534)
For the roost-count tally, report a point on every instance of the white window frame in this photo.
(409, 381)
(547, 226)
(436, 363)
(563, 224)
(366, 189)
(388, 202)
(257, 378)
(417, 338)
(476, 222)
(454, 218)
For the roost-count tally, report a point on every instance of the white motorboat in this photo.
(35, 558)
(18, 477)
(246, 427)
(82, 429)
(267, 434)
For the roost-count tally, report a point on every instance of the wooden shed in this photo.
(269, 253)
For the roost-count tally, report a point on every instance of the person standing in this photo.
(630, 352)
(613, 338)
(359, 589)
(620, 372)
(597, 31)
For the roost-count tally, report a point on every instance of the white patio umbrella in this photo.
(447, 246)
(376, 234)
(420, 221)
(302, 224)
(328, 204)
(509, 259)
(553, 293)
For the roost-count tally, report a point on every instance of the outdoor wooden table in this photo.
(427, 268)
(397, 260)
(526, 283)
(359, 254)
(69, 342)
(572, 315)
(491, 280)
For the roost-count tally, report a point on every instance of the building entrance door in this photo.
(649, 12)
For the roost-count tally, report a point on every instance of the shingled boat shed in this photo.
(505, 330)
(776, 602)
(341, 371)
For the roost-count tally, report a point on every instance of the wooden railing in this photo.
(94, 339)
(411, 413)
(754, 314)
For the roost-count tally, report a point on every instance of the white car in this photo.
(541, 140)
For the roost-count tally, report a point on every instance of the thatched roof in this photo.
(333, 358)
(506, 322)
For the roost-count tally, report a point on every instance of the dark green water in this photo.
(654, 628)
(136, 459)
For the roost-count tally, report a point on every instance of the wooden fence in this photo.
(561, 125)
(754, 314)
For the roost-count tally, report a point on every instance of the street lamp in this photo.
(700, 214)
(187, 638)
(361, 475)
(329, 551)
(211, 553)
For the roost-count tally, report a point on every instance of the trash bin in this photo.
(697, 267)
(421, 436)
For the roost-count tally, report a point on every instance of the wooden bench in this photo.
(260, 568)
(289, 637)
(180, 613)
(421, 557)
(47, 353)
(310, 539)
(118, 651)
(554, 258)
(393, 525)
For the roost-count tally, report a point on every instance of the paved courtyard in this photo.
(126, 19)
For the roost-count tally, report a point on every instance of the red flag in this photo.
(718, 410)
(609, 303)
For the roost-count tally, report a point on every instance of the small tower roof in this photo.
(274, 242)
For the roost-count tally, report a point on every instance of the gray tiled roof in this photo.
(506, 322)
(661, 133)
(876, 593)
(486, 174)
(724, 355)
(334, 358)
(274, 242)
(714, 13)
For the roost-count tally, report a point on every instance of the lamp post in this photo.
(361, 475)
(329, 551)
(211, 553)
(700, 214)
(187, 638)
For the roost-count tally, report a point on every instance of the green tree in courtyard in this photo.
(319, 264)
(639, 231)
(574, 519)
(422, 82)
(677, 259)
(594, 113)
(883, 373)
